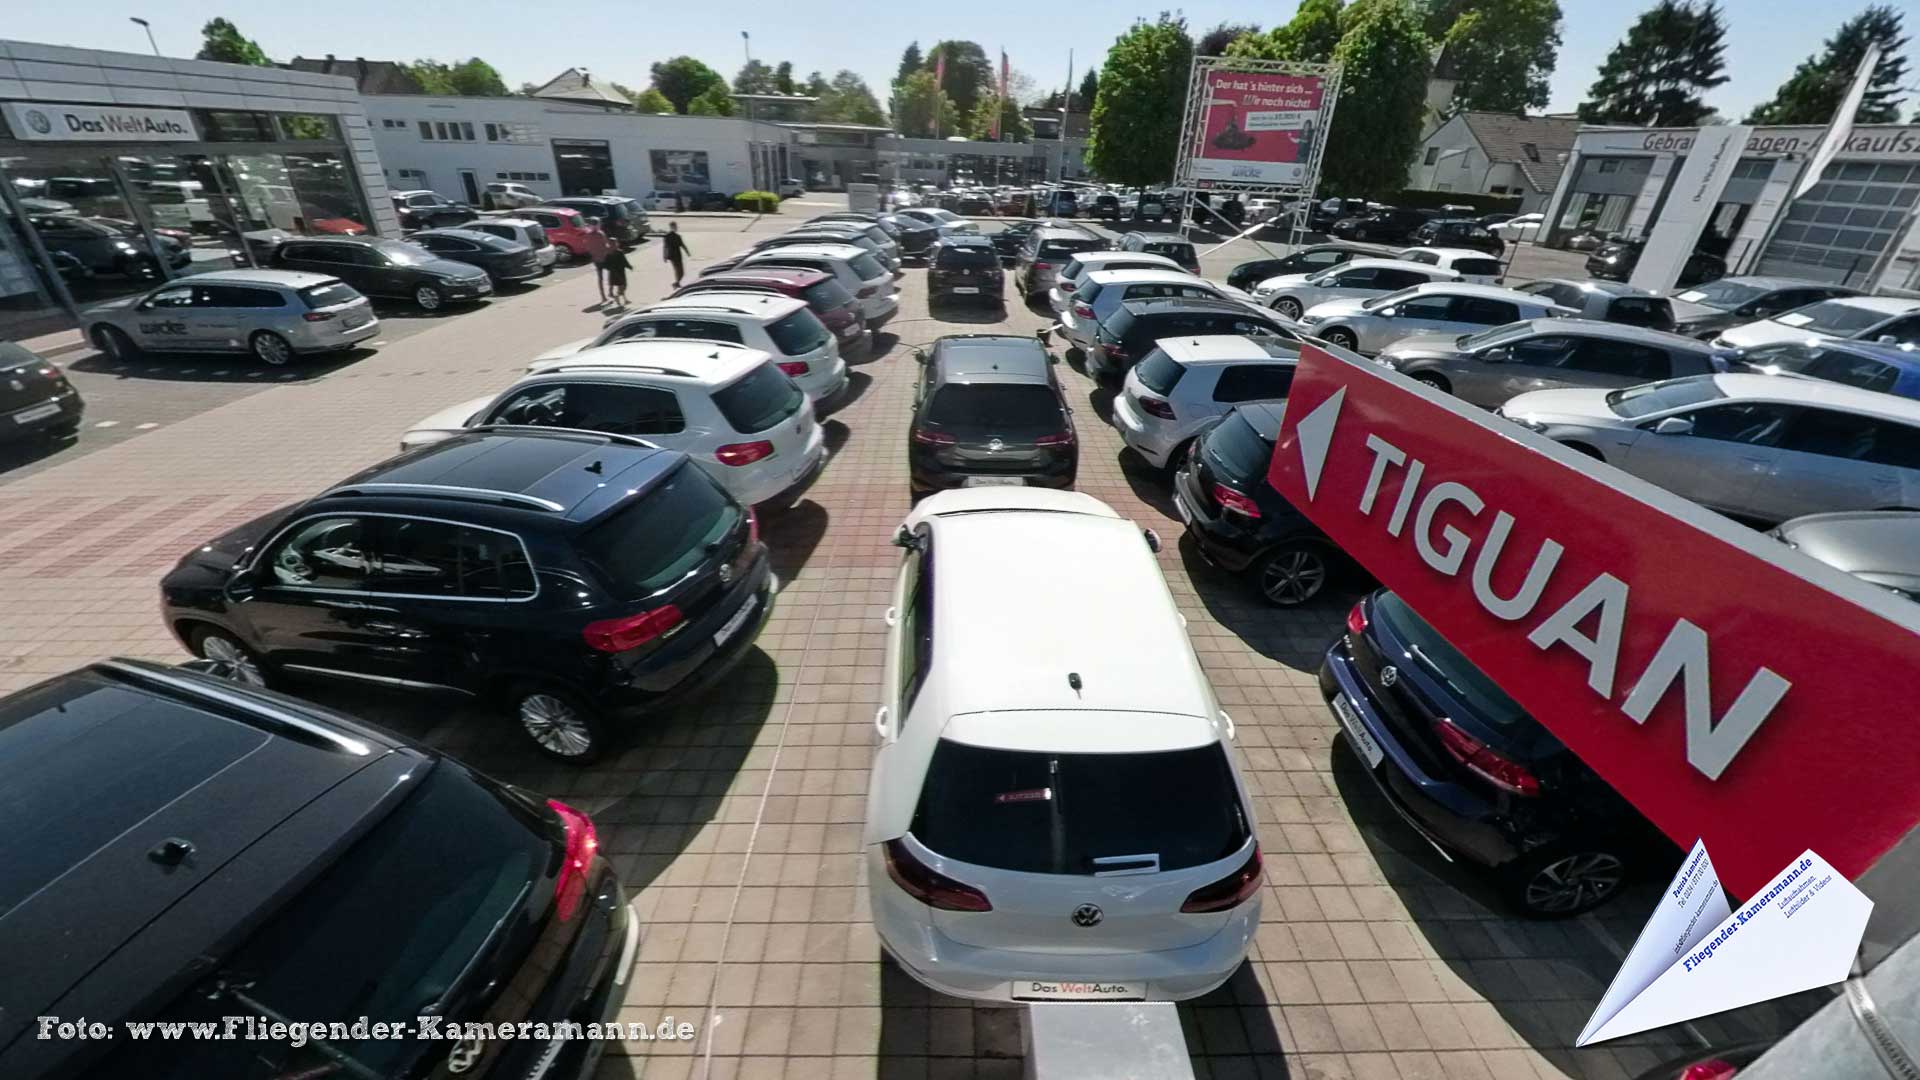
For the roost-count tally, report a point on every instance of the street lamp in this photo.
(148, 27)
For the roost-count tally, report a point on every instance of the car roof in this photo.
(1620, 332)
(1885, 305)
(502, 219)
(761, 305)
(458, 232)
(414, 191)
(1164, 239)
(991, 358)
(1204, 349)
(1150, 276)
(698, 362)
(797, 276)
(1156, 304)
(1818, 392)
(1451, 253)
(1611, 288)
(1264, 417)
(1397, 264)
(289, 279)
(964, 240)
(831, 251)
(1092, 259)
(1774, 281)
(1485, 292)
(1061, 232)
(1875, 543)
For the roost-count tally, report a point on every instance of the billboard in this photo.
(684, 171)
(1731, 688)
(1257, 127)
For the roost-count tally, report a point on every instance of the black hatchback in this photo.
(573, 577)
(229, 857)
(965, 269)
(36, 400)
(987, 412)
(390, 268)
(1130, 330)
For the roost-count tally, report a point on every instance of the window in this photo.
(1477, 267)
(654, 540)
(996, 407)
(1532, 151)
(1433, 155)
(323, 553)
(1652, 312)
(615, 408)
(1389, 278)
(440, 129)
(695, 329)
(1753, 425)
(1426, 257)
(800, 332)
(1831, 433)
(1441, 308)
(440, 558)
(1897, 445)
(235, 296)
(1485, 312)
(180, 296)
(1610, 165)
(1254, 382)
(916, 625)
(1540, 351)
(1359, 277)
(759, 399)
(1159, 372)
(1621, 359)
(466, 130)
(493, 135)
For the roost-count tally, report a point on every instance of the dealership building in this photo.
(1857, 226)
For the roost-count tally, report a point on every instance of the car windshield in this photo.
(1497, 336)
(1650, 398)
(1055, 813)
(654, 540)
(1485, 701)
(404, 254)
(827, 295)
(759, 399)
(866, 267)
(1723, 295)
(996, 407)
(1243, 450)
(1378, 302)
(965, 258)
(1835, 317)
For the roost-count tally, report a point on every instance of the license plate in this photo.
(995, 481)
(484, 286)
(354, 322)
(734, 624)
(966, 288)
(1040, 990)
(1357, 732)
(38, 412)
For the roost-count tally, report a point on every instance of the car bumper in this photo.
(926, 474)
(881, 308)
(547, 256)
(699, 664)
(1057, 300)
(1221, 539)
(826, 384)
(987, 290)
(320, 340)
(518, 273)
(60, 410)
(775, 487)
(468, 290)
(1149, 437)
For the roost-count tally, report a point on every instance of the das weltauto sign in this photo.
(1729, 687)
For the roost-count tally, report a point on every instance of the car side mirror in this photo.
(903, 537)
(1496, 355)
(1153, 540)
(1673, 425)
(1389, 313)
(1887, 339)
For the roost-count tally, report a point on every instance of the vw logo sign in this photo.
(1087, 915)
(1389, 675)
(995, 445)
(38, 121)
(726, 575)
(465, 1053)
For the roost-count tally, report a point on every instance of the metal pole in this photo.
(148, 27)
(746, 46)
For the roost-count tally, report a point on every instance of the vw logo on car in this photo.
(1087, 915)
(1389, 675)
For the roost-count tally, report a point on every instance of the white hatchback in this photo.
(1050, 818)
(1068, 279)
(1099, 293)
(1183, 384)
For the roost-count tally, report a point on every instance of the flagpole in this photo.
(1066, 106)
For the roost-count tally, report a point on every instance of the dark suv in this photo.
(390, 268)
(1459, 233)
(1390, 223)
(570, 576)
(1131, 329)
(965, 267)
(223, 852)
(988, 411)
(36, 400)
(621, 218)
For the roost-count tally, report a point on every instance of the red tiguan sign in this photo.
(1729, 687)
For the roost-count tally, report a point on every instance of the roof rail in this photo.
(512, 498)
(608, 365)
(153, 673)
(543, 429)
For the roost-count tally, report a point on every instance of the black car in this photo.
(965, 268)
(989, 411)
(228, 854)
(915, 237)
(1178, 248)
(36, 400)
(1308, 260)
(1010, 239)
(1104, 206)
(504, 260)
(620, 218)
(1474, 774)
(108, 247)
(1459, 233)
(572, 577)
(430, 210)
(391, 268)
(1130, 330)
(1728, 302)
(1614, 260)
(1391, 224)
(1237, 520)
(1328, 212)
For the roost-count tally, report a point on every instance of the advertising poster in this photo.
(684, 171)
(1258, 128)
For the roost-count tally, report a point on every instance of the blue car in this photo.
(1884, 366)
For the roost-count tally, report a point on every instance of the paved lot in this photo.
(736, 820)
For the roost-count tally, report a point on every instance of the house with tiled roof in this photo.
(576, 85)
(1495, 153)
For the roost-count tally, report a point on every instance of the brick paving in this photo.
(735, 821)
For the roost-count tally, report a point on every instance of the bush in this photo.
(764, 202)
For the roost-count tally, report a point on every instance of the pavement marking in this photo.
(107, 423)
(148, 426)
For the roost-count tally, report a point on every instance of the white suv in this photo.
(1068, 279)
(727, 407)
(1100, 292)
(870, 282)
(781, 326)
(1186, 382)
(1050, 818)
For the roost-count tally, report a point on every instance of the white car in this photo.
(1867, 318)
(1099, 293)
(792, 188)
(1441, 307)
(945, 220)
(1055, 810)
(506, 195)
(1186, 382)
(728, 408)
(1525, 228)
(1068, 279)
(1476, 267)
(1292, 294)
(780, 326)
(521, 231)
(866, 277)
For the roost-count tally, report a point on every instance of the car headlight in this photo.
(1526, 421)
(1310, 320)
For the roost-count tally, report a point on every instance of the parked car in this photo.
(1474, 774)
(375, 580)
(391, 268)
(1525, 228)
(1307, 260)
(274, 315)
(1010, 853)
(1135, 327)
(1327, 213)
(1389, 224)
(1011, 237)
(506, 195)
(1890, 369)
(1099, 293)
(829, 300)
(887, 252)
(569, 231)
(1756, 447)
(1157, 206)
(1185, 382)
(624, 220)
(505, 261)
(1177, 248)
(1442, 307)
(1615, 259)
(1047, 249)
(988, 412)
(107, 248)
(915, 236)
(965, 268)
(1104, 206)
(36, 400)
(1886, 319)
(1071, 275)
(1493, 365)
(1292, 294)
(1587, 239)
(780, 326)
(1459, 233)
(884, 241)
(1880, 547)
(1239, 522)
(944, 221)
(422, 209)
(238, 842)
(792, 188)
(1706, 310)
(519, 230)
(862, 275)
(1607, 301)
(1472, 266)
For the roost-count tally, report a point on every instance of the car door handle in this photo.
(892, 617)
(880, 718)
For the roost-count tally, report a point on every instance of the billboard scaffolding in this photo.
(1255, 127)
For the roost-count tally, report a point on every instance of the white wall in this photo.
(1446, 174)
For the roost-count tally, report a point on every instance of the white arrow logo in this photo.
(1315, 434)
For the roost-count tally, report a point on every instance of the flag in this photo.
(940, 70)
(1840, 128)
(1000, 105)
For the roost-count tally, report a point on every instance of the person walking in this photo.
(615, 265)
(674, 250)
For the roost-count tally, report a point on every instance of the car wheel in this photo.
(1561, 882)
(560, 724)
(1437, 382)
(212, 643)
(1293, 574)
(1342, 338)
(270, 348)
(114, 342)
(429, 298)
(1288, 307)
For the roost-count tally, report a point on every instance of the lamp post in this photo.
(746, 46)
(148, 27)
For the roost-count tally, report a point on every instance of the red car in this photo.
(568, 230)
(825, 296)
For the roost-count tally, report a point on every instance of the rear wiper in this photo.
(435, 1007)
(233, 986)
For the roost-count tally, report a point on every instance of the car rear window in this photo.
(800, 332)
(965, 257)
(1087, 290)
(1159, 372)
(759, 399)
(1051, 813)
(866, 267)
(1652, 312)
(329, 294)
(1058, 248)
(996, 407)
(1240, 448)
(1478, 267)
(827, 295)
(653, 541)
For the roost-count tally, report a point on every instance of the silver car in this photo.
(1292, 294)
(1865, 318)
(1758, 447)
(274, 314)
(1607, 301)
(1372, 323)
(1489, 367)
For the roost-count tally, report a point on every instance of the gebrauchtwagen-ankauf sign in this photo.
(39, 121)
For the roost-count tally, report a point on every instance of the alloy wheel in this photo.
(225, 650)
(1342, 339)
(1288, 307)
(1431, 380)
(272, 349)
(1293, 577)
(427, 297)
(555, 725)
(1573, 882)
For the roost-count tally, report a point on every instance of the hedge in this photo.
(1423, 199)
(765, 202)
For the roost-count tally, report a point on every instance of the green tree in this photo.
(1215, 41)
(1820, 84)
(1135, 126)
(649, 101)
(1384, 59)
(683, 78)
(1310, 36)
(221, 40)
(1089, 91)
(754, 77)
(1013, 125)
(910, 62)
(783, 77)
(969, 76)
(1674, 53)
(848, 101)
(816, 85)
(924, 110)
(475, 77)
(1503, 52)
(1440, 15)
(713, 101)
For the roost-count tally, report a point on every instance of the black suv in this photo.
(1459, 233)
(621, 218)
(1130, 331)
(430, 210)
(1392, 223)
(1308, 260)
(389, 268)
(570, 576)
(36, 400)
(222, 852)
(965, 267)
(1178, 248)
(989, 411)
(503, 260)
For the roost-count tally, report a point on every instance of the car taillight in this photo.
(1158, 407)
(929, 886)
(795, 367)
(1042, 266)
(1064, 438)
(744, 453)
(1711, 1069)
(1230, 891)
(1082, 311)
(1357, 617)
(582, 842)
(630, 631)
(932, 438)
(867, 292)
(1068, 286)
(1114, 352)
(1483, 761)
(1235, 502)
(317, 316)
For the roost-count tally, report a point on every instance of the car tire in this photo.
(559, 723)
(114, 343)
(1292, 574)
(1343, 338)
(1583, 448)
(270, 348)
(213, 643)
(1564, 880)
(429, 298)
(1438, 382)
(1288, 307)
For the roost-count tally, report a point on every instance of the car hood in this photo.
(1337, 309)
(449, 268)
(560, 352)
(1423, 347)
(218, 556)
(444, 424)
(1875, 546)
(1284, 281)
(1765, 332)
(1570, 404)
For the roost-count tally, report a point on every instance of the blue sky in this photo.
(619, 41)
